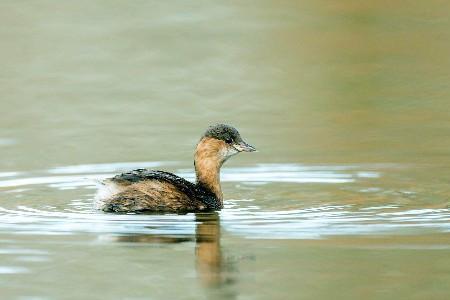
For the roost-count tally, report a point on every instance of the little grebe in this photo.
(148, 190)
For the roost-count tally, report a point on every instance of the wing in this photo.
(192, 190)
(138, 175)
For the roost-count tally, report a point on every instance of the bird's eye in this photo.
(228, 140)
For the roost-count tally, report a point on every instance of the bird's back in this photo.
(149, 190)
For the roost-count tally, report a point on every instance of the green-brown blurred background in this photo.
(322, 81)
(306, 82)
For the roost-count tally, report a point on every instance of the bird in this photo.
(144, 190)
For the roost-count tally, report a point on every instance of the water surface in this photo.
(347, 102)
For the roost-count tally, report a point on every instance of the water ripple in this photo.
(87, 174)
(245, 217)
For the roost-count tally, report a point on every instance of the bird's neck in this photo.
(208, 161)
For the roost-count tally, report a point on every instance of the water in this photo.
(347, 103)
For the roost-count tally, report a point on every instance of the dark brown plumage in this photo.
(159, 191)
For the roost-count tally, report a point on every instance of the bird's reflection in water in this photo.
(210, 266)
(212, 270)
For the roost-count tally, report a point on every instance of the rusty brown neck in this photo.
(207, 161)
